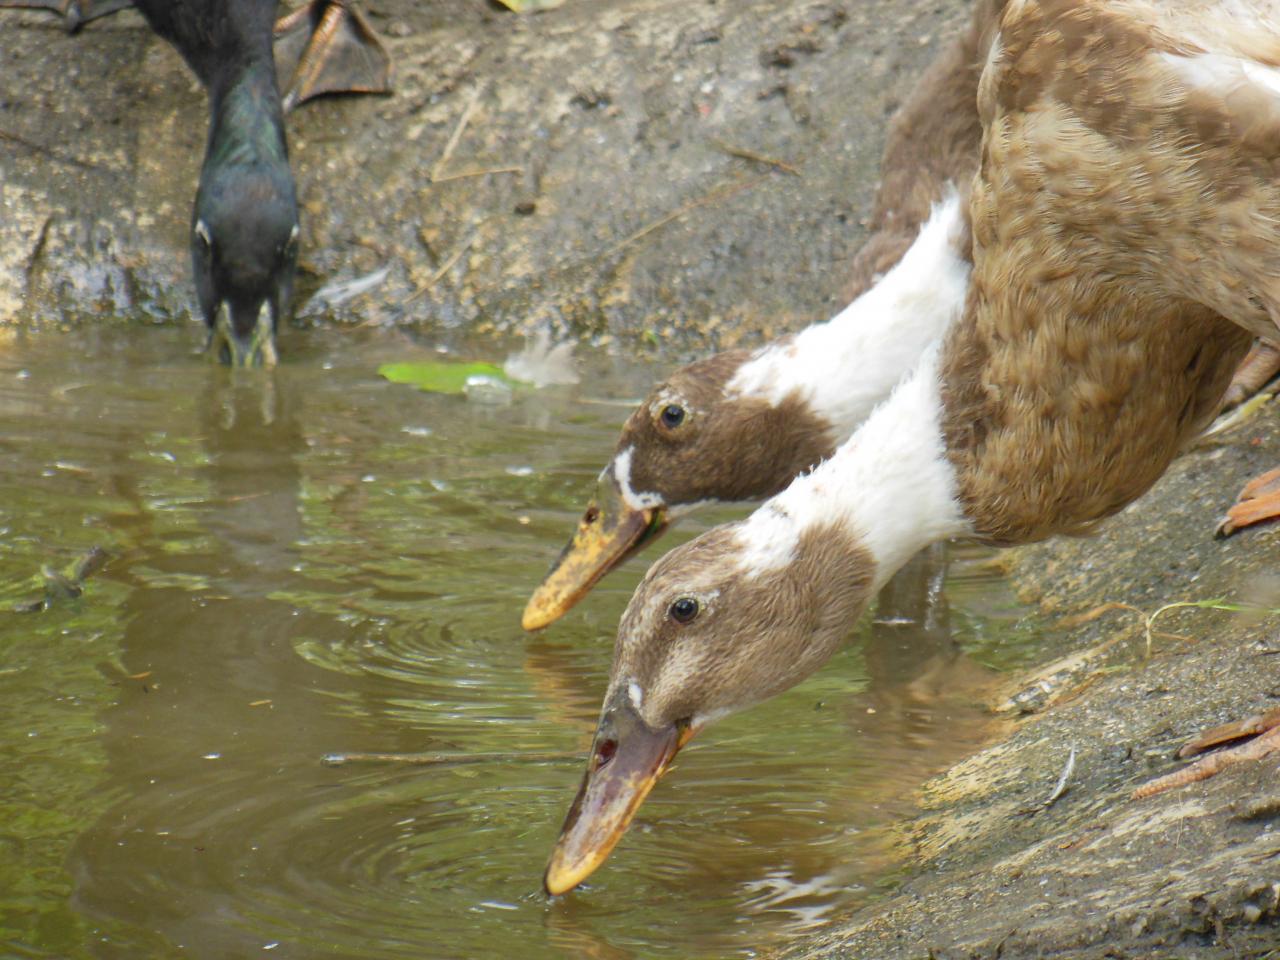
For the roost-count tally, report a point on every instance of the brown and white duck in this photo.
(1126, 243)
(742, 424)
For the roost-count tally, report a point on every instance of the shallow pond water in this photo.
(313, 560)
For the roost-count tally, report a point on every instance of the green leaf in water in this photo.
(440, 376)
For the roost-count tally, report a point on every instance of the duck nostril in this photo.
(605, 752)
(591, 516)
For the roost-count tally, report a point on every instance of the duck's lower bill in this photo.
(257, 348)
(627, 759)
(608, 533)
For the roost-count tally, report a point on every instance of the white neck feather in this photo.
(844, 367)
(891, 485)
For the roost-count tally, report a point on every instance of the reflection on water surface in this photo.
(312, 560)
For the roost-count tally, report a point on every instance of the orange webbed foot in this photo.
(1264, 729)
(1258, 501)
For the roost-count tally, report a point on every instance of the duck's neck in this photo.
(844, 367)
(247, 124)
(891, 488)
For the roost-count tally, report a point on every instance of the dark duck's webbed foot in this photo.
(335, 51)
(1261, 734)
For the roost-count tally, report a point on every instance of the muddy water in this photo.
(312, 561)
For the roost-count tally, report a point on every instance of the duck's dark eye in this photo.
(672, 415)
(684, 610)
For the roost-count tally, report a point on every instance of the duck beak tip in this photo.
(535, 616)
(628, 759)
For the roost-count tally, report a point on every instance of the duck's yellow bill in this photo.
(627, 759)
(608, 533)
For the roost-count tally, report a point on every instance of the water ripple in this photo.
(313, 560)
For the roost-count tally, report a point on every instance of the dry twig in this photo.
(476, 172)
(444, 268)
(745, 154)
(714, 196)
(454, 137)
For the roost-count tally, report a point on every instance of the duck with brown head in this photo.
(740, 425)
(751, 608)
(752, 432)
(1081, 364)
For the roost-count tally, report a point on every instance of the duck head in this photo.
(720, 623)
(244, 249)
(697, 438)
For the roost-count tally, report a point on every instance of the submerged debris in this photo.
(542, 363)
(60, 586)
